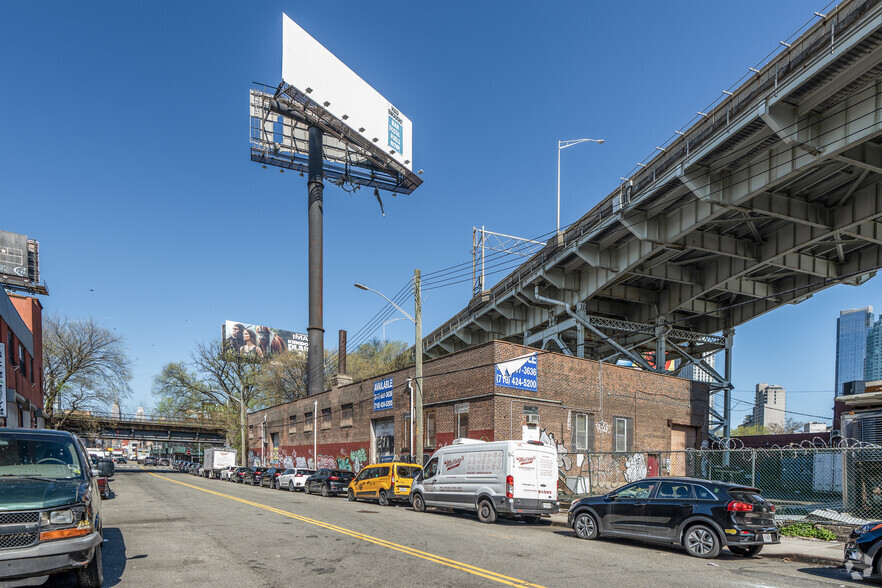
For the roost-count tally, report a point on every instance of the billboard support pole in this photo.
(315, 331)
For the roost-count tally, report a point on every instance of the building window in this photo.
(307, 422)
(21, 360)
(623, 435)
(250, 431)
(462, 425)
(326, 418)
(292, 424)
(583, 432)
(10, 348)
(275, 439)
(31, 362)
(430, 430)
(346, 415)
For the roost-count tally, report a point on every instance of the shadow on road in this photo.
(113, 561)
(838, 574)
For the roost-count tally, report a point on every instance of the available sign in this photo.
(383, 394)
(519, 373)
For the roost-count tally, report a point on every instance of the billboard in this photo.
(312, 69)
(19, 258)
(261, 340)
(520, 373)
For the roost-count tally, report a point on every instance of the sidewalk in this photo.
(821, 553)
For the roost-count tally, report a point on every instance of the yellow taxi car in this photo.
(384, 482)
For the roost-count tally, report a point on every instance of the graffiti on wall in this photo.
(635, 467)
(563, 459)
(287, 457)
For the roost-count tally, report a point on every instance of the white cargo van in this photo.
(509, 478)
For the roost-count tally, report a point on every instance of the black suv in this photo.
(253, 476)
(328, 482)
(700, 515)
(50, 511)
(271, 477)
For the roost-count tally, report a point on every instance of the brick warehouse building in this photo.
(577, 405)
(21, 339)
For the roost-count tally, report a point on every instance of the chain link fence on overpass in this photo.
(841, 485)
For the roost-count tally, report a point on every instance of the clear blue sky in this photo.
(124, 152)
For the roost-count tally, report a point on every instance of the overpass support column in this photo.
(729, 334)
(661, 331)
(580, 340)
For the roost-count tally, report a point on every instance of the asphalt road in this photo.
(166, 528)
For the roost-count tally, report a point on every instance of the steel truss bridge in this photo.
(772, 196)
(147, 428)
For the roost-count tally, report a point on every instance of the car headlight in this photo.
(61, 517)
(868, 527)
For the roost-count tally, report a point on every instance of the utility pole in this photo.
(418, 368)
(242, 460)
(315, 435)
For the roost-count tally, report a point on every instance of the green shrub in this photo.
(807, 530)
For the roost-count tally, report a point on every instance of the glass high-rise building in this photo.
(852, 327)
(873, 361)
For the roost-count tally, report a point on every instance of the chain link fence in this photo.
(834, 484)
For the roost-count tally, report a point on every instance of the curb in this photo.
(793, 557)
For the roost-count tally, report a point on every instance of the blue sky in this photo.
(124, 152)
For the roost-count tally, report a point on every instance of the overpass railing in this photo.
(146, 419)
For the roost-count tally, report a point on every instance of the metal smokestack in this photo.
(341, 352)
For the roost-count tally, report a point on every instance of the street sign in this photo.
(188, 452)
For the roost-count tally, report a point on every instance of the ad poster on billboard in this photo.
(261, 340)
(519, 373)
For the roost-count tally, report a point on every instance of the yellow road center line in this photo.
(382, 542)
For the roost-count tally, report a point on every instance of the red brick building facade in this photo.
(577, 405)
(21, 334)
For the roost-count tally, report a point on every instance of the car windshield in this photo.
(39, 456)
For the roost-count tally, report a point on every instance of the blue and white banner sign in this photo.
(383, 394)
(519, 373)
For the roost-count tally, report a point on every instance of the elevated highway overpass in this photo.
(770, 197)
(145, 428)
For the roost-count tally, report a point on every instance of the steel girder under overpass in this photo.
(775, 195)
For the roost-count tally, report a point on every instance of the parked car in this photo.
(50, 513)
(862, 549)
(328, 482)
(253, 476)
(150, 461)
(225, 472)
(270, 477)
(701, 516)
(516, 479)
(294, 478)
(238, 475)
(163, 462)
(120, 460)
(384, 482)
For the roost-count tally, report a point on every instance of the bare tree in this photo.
(217, 380)
(376, 357)
(85, 368)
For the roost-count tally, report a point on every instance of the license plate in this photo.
(546, 505)
(767, 537)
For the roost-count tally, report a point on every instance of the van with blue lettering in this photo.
(513, 479)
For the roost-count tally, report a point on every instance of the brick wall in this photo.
(649, 404)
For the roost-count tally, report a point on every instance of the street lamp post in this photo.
(417, 320)
(398, 318)
(561, 145)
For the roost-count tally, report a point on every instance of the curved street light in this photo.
(561, 145)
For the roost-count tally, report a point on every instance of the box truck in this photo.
(215, 459)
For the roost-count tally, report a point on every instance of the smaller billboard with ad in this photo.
(520, 373)
(261, 340)
(383, 394)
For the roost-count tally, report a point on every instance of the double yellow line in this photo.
(502, 579)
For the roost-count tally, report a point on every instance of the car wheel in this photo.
(585, 526)
(290, 486)
(350, 495)
(701, 541)
(306, 488)
(383, 498)
(486, 512)
(746, 551)
(325, 491)
(92, 576)
(418, 503)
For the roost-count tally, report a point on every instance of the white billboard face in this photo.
(314, 70)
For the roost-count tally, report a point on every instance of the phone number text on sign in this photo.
(383, 394)
(520, 373)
